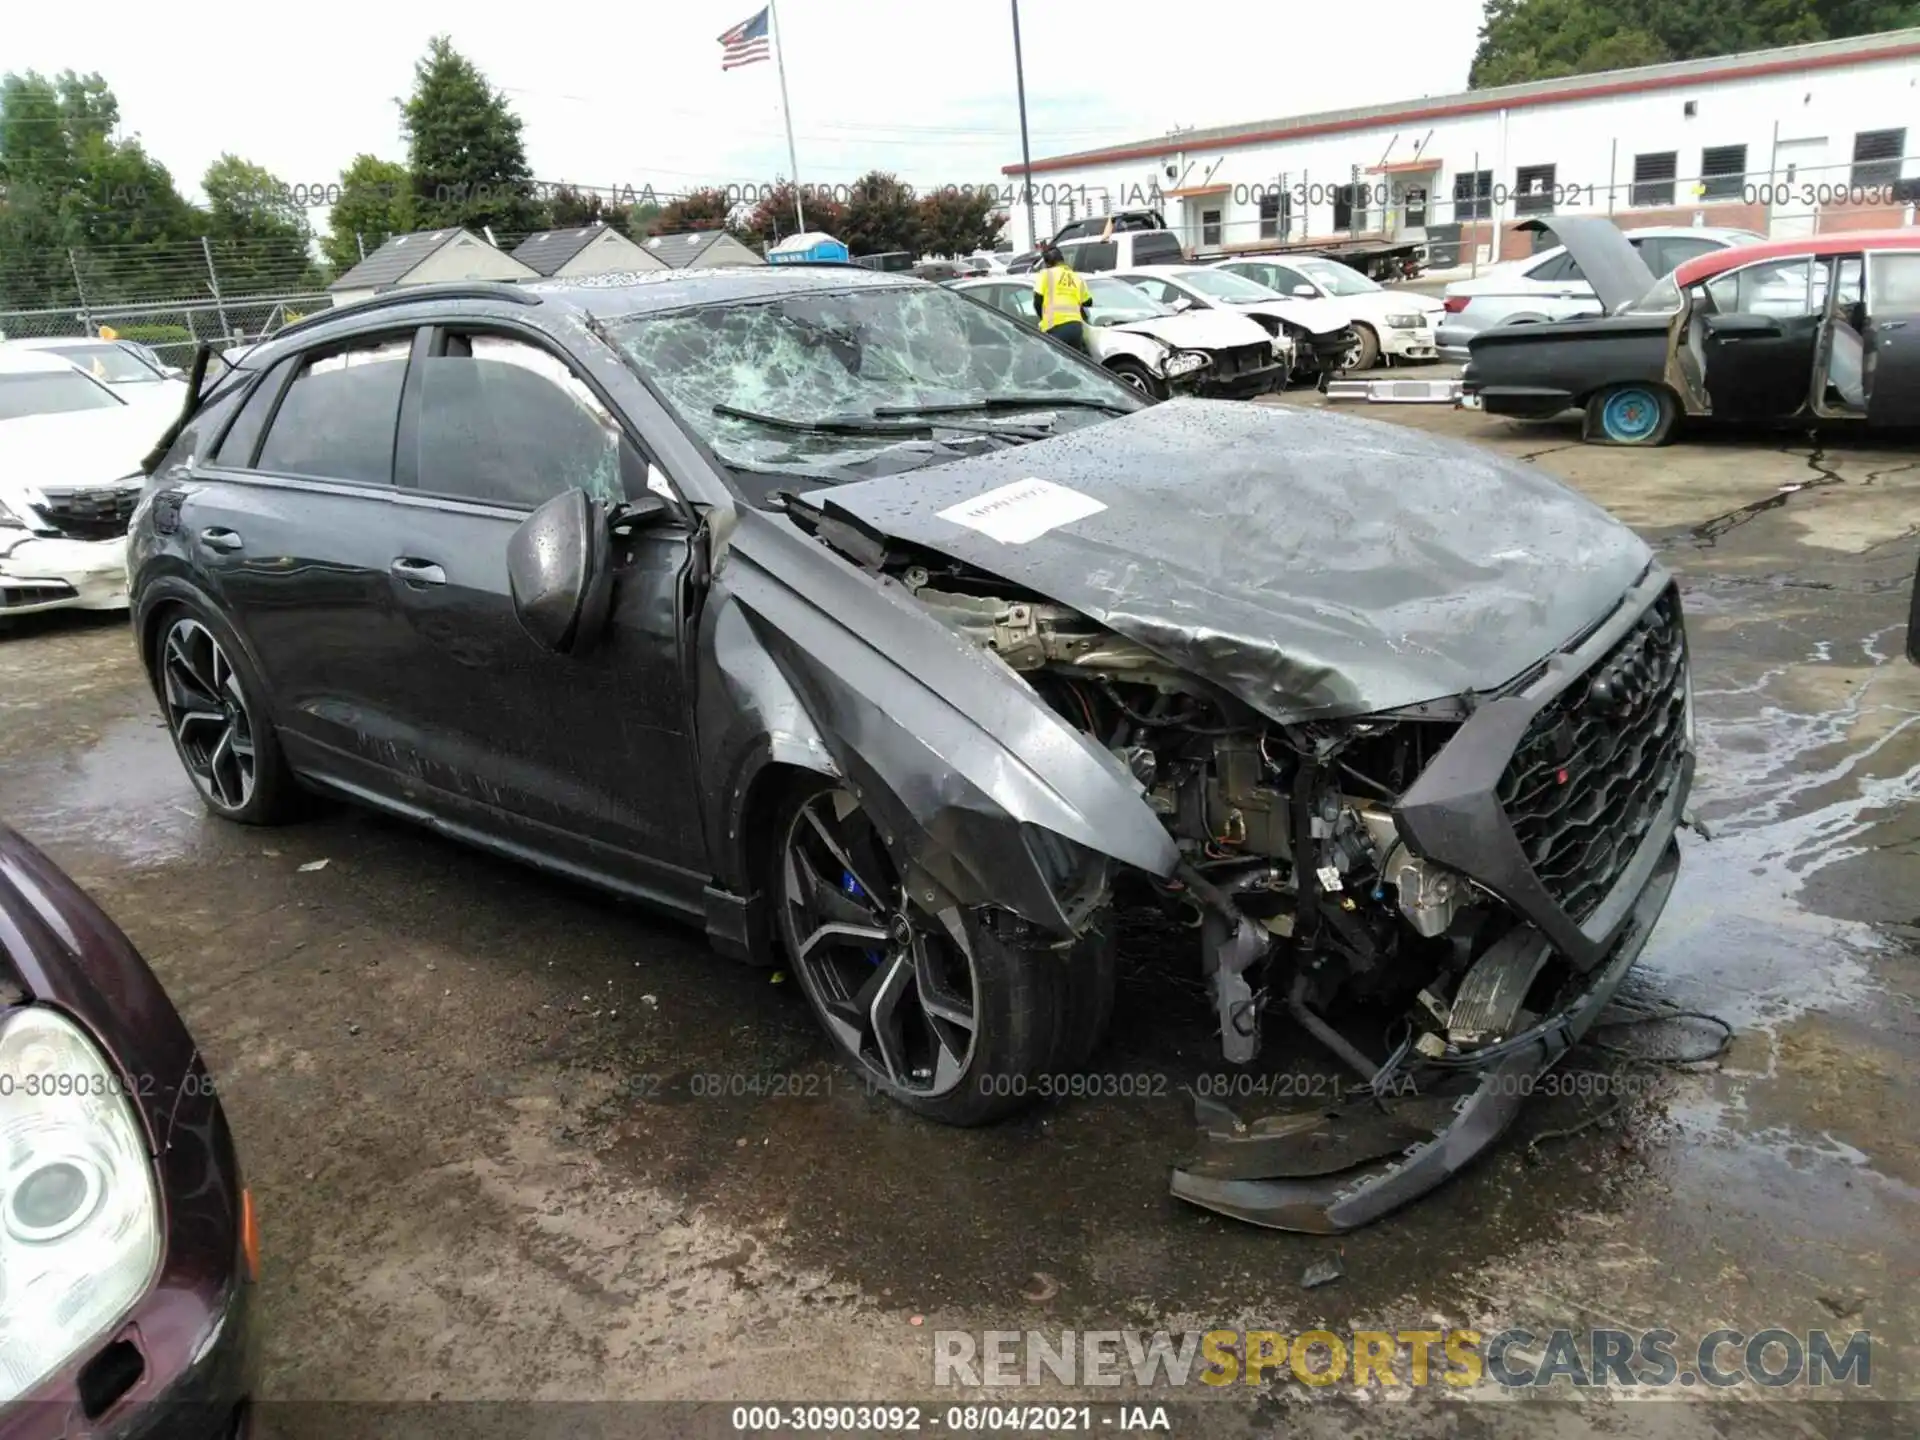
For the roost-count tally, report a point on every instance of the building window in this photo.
(1276, 215)
(1209, 227)
(1653, 177)
(1350, 207)
(1473, 195)
(1723, 172)
(1533, 190)
(1876, 157)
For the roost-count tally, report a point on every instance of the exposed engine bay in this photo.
(1308, 893)
(1291, 824)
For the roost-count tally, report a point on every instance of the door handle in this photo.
(218, 537)
(418, 572)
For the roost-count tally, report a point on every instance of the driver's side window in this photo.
(1287, 281)
(507, 422)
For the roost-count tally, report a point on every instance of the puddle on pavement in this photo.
(124, 796)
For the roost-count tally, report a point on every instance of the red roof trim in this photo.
(1840, 242)
(1173, 146)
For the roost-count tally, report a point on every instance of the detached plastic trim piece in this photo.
(1330, 1205)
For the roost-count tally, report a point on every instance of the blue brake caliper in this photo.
(852, 887)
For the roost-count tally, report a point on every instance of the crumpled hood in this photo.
(1318, 317)
(1315, 565)
(78, 447)
(1199, 330)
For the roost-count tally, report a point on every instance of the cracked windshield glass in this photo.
(849, 384)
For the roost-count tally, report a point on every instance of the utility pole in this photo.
(1026, 155)
(213, 279)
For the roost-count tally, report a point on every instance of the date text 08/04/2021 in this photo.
(884, 1419)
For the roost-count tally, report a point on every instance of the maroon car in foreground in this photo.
(127, 1247)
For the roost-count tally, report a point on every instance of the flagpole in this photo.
(786, 113)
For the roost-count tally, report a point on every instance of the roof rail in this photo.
(411, 294)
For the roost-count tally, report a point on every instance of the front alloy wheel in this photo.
(897, 998)
(946, 1015)
(208, 712)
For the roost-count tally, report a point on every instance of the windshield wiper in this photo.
(1006, 402)
(879, 422)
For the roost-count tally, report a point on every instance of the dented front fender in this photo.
(807, 659)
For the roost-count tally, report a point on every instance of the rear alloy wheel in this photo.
(946, 1018)
(1631, 415)
(225, 742)
(1365, 352)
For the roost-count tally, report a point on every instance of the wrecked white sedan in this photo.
(70, 453)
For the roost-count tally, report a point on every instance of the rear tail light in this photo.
(1456, 303)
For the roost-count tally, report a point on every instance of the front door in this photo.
(290, 518)
(1892, 338)
(587, 757)
(1759, 335)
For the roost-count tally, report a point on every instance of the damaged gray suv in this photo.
(868, 628)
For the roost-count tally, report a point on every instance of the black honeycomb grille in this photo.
(1599, 761)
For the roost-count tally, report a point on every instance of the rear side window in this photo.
(1161, 249)
(1092, 255)
(1665, 254)
(1560, 267)
(1896, 284)
(506, 422)
(338, 417)
(243, 436)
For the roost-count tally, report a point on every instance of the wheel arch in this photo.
(164, 593)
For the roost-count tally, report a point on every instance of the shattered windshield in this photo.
(845, 384)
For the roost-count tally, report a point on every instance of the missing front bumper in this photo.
(1334, 1171)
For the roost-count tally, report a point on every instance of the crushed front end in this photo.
(1483, 868)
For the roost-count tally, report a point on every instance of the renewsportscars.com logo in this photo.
(1457, 1358)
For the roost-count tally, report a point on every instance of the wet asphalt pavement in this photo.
(509, 1138)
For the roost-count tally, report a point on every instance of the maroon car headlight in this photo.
(79, 1218)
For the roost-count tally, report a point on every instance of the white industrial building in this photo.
(1788, 141)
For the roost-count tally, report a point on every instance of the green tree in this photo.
(375, 203)
(568, 208)
(465, 156)
(957, 223)
(71, 193)
(1523, 40)
(880, 216)
(708, 209)
(773, 218)
(642, 217)
(257, 229)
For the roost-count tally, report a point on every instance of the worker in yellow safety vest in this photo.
(1061, 298)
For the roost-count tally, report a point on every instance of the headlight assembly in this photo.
(1406, 322)
(1185, 362)
(79, 1220)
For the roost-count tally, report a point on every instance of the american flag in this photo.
(745, 43)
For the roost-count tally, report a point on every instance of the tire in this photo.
(1365, 353)
(954, 1023)
(1642, 415)
(1133, 373)
(216, 713)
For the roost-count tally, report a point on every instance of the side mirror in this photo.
(1181, 302)
(560, 570)
(1306, 292)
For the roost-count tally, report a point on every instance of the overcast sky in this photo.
(634, 94)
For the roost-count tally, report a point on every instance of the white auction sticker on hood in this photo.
(1025, 510)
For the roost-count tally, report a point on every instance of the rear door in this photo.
(584, 756)
(291, 520)
(1759, 337)
(1893, 338)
